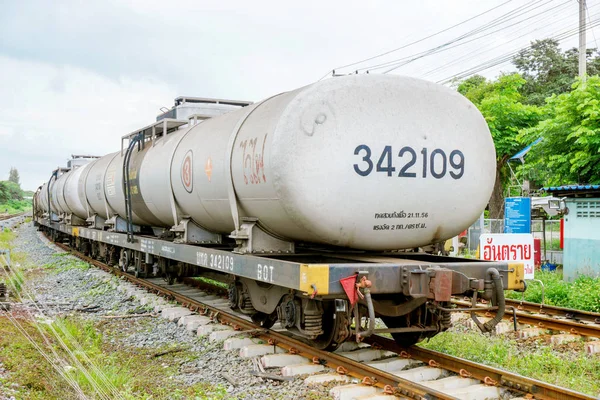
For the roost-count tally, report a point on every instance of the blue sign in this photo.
(517, 215)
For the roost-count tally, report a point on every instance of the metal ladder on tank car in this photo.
(139, 140)
(139, 137)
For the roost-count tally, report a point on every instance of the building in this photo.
(580, 205)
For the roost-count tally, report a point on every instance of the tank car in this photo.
(299, 202)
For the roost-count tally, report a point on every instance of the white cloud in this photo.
(75, 76)
(49, 112)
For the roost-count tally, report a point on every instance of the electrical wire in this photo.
(445, 47)
(416, 41)
(104, 381)
(508, 56)
(478, 52)
(587, 11)
(70, 381)
(504, 18)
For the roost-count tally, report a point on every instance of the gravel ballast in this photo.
(56, 288)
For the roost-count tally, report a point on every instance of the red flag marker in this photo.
(349, 285)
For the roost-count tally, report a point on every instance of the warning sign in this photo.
(509, 247)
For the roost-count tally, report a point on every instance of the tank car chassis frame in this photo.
(411, 291)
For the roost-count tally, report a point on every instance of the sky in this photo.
(75, 76)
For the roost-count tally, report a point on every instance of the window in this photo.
(588, 209)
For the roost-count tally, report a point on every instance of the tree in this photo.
(547, 70)
(501, 104)
(13, 176)
(10, 191)
(570, 149)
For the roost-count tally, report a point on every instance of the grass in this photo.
(212, 282)
(94, 365)
(574, 370)
(84, 353)
(15, 206)
(13, 277)
(64, 262)
(582, 294)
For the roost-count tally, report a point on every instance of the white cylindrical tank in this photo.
(113, 185)
(75, 203)
(43, 198)
(95, 186)
(54, 186)
(59, 192)
(370, 162)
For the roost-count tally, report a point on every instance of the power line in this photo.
(477, 52)
(512, 14)
(508, 56)
(445, 47)
(417, 41)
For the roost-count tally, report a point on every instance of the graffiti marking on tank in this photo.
(208, 168)
(264, 273)
(187, 177)
(98, 186)
(253, 164)
(110, 183)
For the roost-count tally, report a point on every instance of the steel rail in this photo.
(568, 313)
(510, 380)
(402, 387)
(5, 217)
(549, 321)
(356, 369)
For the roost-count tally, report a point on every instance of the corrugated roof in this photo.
(521, 154)
(571, 188)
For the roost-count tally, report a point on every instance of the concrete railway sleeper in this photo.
(377, 367)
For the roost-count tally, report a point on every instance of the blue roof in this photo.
(571, 188)
(522, 153)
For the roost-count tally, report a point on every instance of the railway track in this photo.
(576, 322)
(10, 216)
(434, 376)
(9, 221)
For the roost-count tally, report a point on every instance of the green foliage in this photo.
(501, 104)
(577, 371)
(10, 191)
(581, 294)
(570, 149)
(130, 372)
(15, 206)
(548, 71)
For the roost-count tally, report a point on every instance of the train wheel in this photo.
(170, 278)
(334, 327)
(124, 259)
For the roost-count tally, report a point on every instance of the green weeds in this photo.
(15, 206)
(581, 294)
(212, 282)
(92, 363)
(62, 262)
(575, 370)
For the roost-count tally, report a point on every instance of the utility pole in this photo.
(582, 45)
